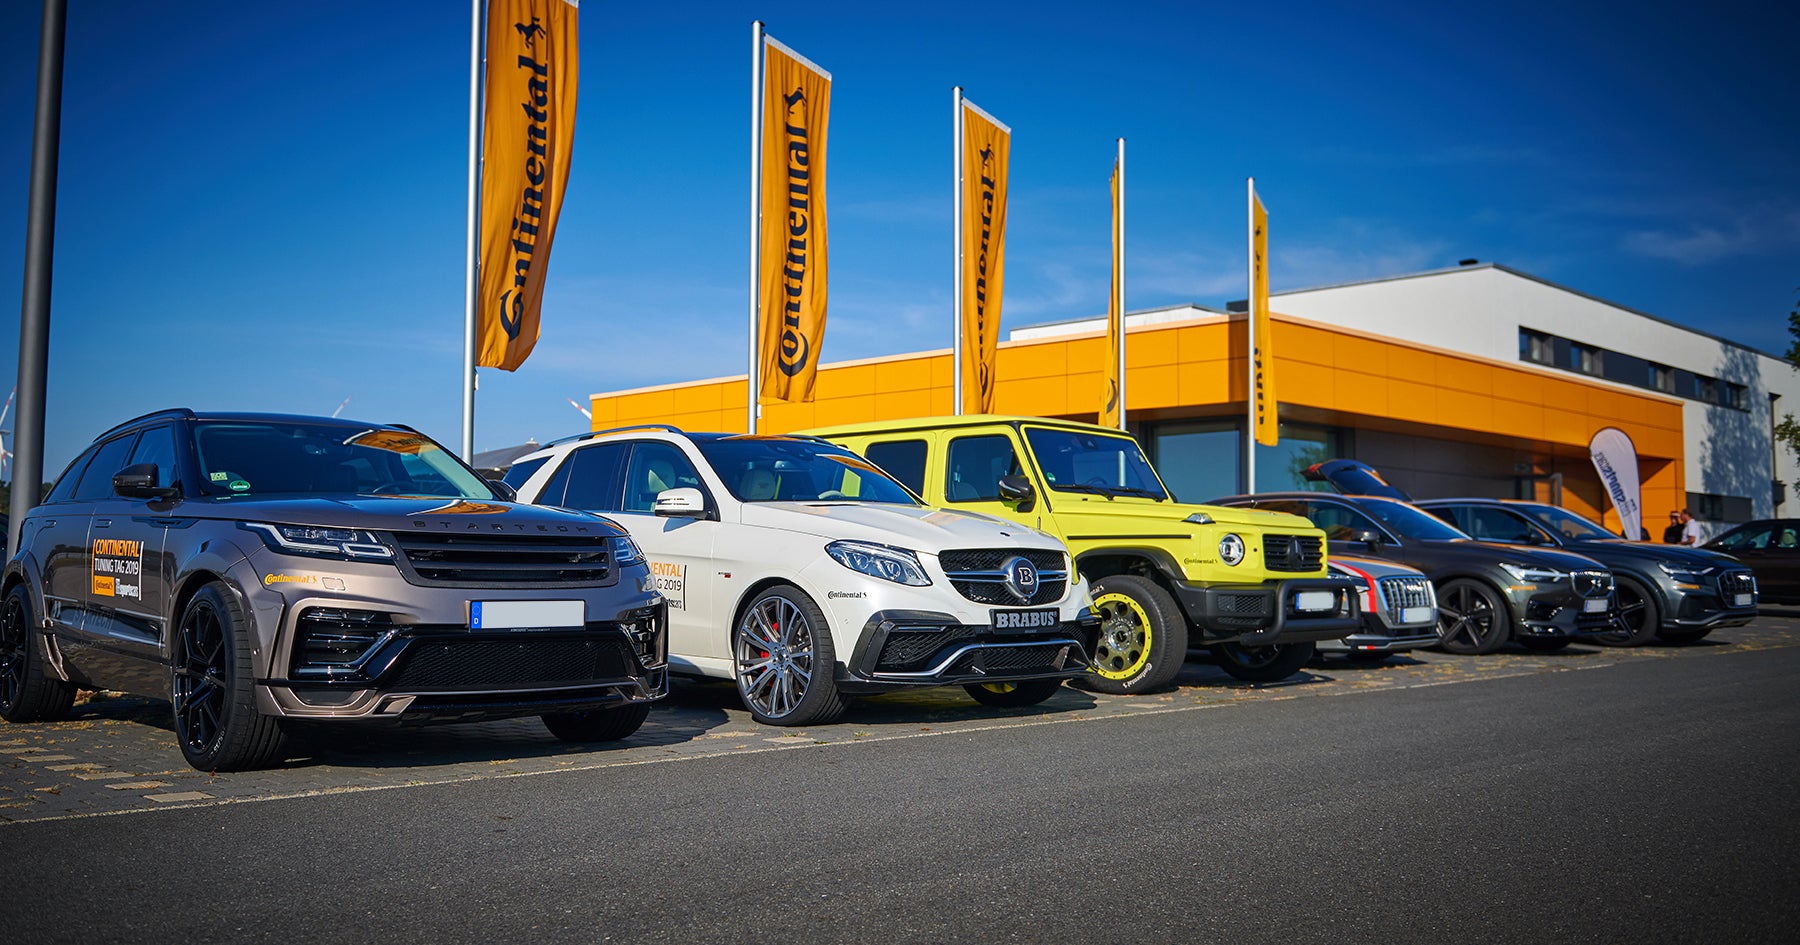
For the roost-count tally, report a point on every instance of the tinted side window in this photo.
(1341, 522)
(557, 486)
(593, 473)
(157, 447)
(64, 490)
(902, 459)
(655, 468)
(976, 465)
(1754, 536)
(519, 472)
(96, 480)
(1498, 525)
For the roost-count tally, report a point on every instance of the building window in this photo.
(1662, 378)
(1536, 347)
(1706, 390)
(1585, 358)
(1735, 396)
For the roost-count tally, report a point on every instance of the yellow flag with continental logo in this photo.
(1111, 404)
(986, 147)
(528, 135)
(1262, 352)
(792, 281)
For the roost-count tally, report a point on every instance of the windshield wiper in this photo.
(1084, 487)
(1134, 490)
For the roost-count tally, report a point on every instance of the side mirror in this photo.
(1016, 491)
(503, 490)
(139, 482)
(681, 503)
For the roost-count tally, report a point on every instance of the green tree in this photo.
(1788, 430)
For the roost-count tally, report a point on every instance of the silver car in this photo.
(1398, 607)
(256, 569)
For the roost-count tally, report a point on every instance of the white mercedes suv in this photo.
(806, 574)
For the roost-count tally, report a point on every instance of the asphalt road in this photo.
(1601, 796)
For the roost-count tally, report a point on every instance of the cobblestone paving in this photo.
(117, 753)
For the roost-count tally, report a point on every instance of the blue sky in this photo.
(261, 205)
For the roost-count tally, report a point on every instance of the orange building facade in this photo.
(1436, 422)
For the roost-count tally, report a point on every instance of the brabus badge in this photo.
(1021, 578)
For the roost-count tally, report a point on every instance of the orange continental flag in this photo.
(1262, 356)
(792, 285)
(986, 148)
(1111, 408)
(528, 134)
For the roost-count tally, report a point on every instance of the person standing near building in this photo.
(1672, 534)
(1690, 528)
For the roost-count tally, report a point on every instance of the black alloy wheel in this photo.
(1636, 616)
(211, 685)
(1472, 618)
(27, 692)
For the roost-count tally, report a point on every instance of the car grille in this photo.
(1015, 659)
(1736, 582)
(1293, 553)
(1592, 583)
(912, 650)
(527, 560)
(1399, 593)
(979, 574)
(511, 664)
(328, 640)
(1250, 605)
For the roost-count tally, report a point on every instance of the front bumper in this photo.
(1713, 606)
(1558, 614)
(1262, 614)
(1377, 637)
(900, 649)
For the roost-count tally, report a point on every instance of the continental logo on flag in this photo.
(1262, 358)
(792, 284)
(986, 149)
(528, 134)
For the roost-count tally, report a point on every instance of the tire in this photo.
(1682, 635)
(783, 660)
(211, 685)
(1638, 618)
(1271, 663)
(1143, 636)
(1545, 644)
(598, 725)
(1472, 619)
(1013, 695)
(28, 693)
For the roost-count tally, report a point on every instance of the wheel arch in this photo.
(1153, 564)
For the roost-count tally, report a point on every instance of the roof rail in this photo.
(670, 428)
(181, 412)
(786, 436)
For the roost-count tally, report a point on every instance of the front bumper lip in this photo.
(1275, 622)
(976, 654)
(1378, 643)
(464, 705)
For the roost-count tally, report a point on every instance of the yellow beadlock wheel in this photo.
(1125, 637)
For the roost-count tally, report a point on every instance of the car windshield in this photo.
(1566, 523)
(251, 457)
(783, 469)
(1078, 461)
(1408, 520)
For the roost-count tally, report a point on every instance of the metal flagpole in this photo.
(471, 283)
(1250, 342)
(756, 120)
(40, 245)
(956, 220)
(1119, 265)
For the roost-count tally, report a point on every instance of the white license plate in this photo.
(1598, 605)
(526, 614)
(1415, 615)
(1025, 621)
(1315, 600)
(1745, 600)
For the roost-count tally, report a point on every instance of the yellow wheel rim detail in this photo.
(1000, 688)
(1124, 647)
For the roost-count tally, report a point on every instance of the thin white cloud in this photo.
(1742, 232)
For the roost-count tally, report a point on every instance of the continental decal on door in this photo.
(118, 568)
(671, 582)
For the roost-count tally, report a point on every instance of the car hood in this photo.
(1531, 555)
(913, 527)
(1131, 515)
(1374, 567)
(403, 514)
(1650, 552)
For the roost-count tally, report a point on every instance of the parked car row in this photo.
(257, 570)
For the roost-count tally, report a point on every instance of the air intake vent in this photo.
(489, 560)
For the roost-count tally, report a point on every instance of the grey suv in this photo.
(255, 569)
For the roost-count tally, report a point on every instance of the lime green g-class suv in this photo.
(1251, 585)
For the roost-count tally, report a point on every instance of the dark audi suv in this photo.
(1487, 594)
(255, 569)
(1665, 592)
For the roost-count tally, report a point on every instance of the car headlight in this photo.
(879, 561)
(320, 541)
(1231, 549)
(1529, 574)
(1685, 573)
(626, 552)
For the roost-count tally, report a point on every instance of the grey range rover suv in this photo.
(259, 569)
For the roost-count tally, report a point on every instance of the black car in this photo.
(1487, 594)
(257, 569)
(1771, 549)
(1665, 592)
